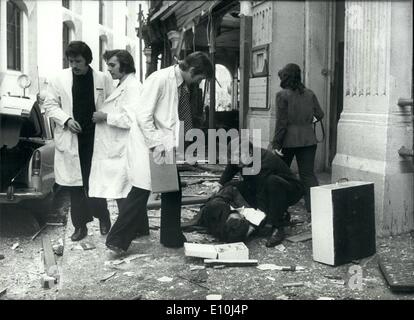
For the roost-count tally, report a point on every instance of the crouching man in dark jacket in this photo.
(272, 190)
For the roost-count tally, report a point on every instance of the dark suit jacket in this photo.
(294, 118)
(271, 164)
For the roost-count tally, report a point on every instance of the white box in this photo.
(232, 251)
(343, 222)
(228, 251)
(200, 250)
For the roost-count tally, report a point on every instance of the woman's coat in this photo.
(109, 175)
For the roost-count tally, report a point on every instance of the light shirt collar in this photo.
(178, 76)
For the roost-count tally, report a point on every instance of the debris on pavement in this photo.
(229, 251)
(300, 237)
(199, 276)
(87, 246)
(55, 224)
(15, 246)
(49, 261)
(165, 279)
(38, 232)
(293, 284)
(47, 282)
(339, 282)
(281, 248)
(234, 263)
(136, 256)
(214, 297)
(114, 262)
(193, 267)
(279, 268)
(58, 248)
(332, 277)
(107, 276)
(194, 282)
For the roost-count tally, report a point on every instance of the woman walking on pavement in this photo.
(297, 108)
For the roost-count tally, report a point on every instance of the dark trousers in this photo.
(83, 208)
(277, 196)
(305, 157)
(132, 219)
(170, 233)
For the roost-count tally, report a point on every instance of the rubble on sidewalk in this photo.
(87, 246)
(293, 284)
(305, 236)
(165, 279)
(107, 276)
(269, 266)
(48, 282)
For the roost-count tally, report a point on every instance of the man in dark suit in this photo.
(272, 190)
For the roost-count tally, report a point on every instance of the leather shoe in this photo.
(79, 233)
(175, 244)
(104, 226)
(276, 238)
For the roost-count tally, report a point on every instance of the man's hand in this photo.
(159, 154)
(278, 152)
(216, 187)
(74, 126)
(99, 116)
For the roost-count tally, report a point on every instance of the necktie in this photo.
(184, 108)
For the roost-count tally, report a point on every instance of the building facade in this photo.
(34, 35)
(355, 55)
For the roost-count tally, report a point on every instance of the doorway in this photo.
(337, 92)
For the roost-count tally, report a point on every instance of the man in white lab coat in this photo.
(164, 102)
(72, 97)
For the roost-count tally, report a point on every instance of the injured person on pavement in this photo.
(241, 209)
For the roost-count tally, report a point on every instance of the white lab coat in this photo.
(158, 123)
(58, 105)
(109, 175)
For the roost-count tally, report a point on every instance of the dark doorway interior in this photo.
(338, 84)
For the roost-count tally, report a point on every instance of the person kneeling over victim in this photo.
(272, 190)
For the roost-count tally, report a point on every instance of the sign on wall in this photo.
(258, 93)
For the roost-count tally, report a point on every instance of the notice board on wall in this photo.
(258, 93)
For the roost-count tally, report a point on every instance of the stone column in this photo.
(378, 71)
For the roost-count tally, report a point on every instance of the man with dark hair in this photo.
(124, 58)
(272, 190)
(72, 97)
(164, 111)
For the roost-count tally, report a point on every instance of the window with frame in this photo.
(66, 4)
(14, 26)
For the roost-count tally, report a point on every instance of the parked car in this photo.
(27, 151)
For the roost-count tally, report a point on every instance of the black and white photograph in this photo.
(222, 152)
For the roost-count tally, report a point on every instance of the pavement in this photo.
(152, 272)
